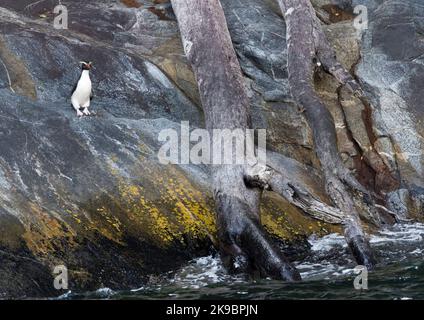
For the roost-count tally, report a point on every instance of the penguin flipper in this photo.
(74, 88)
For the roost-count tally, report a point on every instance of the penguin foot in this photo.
(86, 112)
(80, 114)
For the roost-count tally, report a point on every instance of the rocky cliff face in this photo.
(392, 69)
(90, 193)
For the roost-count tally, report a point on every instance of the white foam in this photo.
(65, 295)
(202, 272)
(329, 258)
(105, 292)
(327, 243)
(398, 242)
(400, 233)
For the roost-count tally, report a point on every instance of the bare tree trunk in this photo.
(307, 47)
(209, 49)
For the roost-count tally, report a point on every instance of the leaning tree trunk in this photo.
(308, 47)
(210, 52)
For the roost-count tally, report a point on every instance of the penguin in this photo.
(82, 92)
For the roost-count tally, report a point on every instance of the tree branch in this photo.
(306, 44)
(243, 243)
(295, 194)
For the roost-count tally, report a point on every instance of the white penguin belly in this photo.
(82, 93)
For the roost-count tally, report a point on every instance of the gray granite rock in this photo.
(392, 70)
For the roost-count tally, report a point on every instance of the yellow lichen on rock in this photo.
(287, 222)
(164, 206)
(44, 233)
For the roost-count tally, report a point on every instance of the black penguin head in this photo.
(86, 65)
